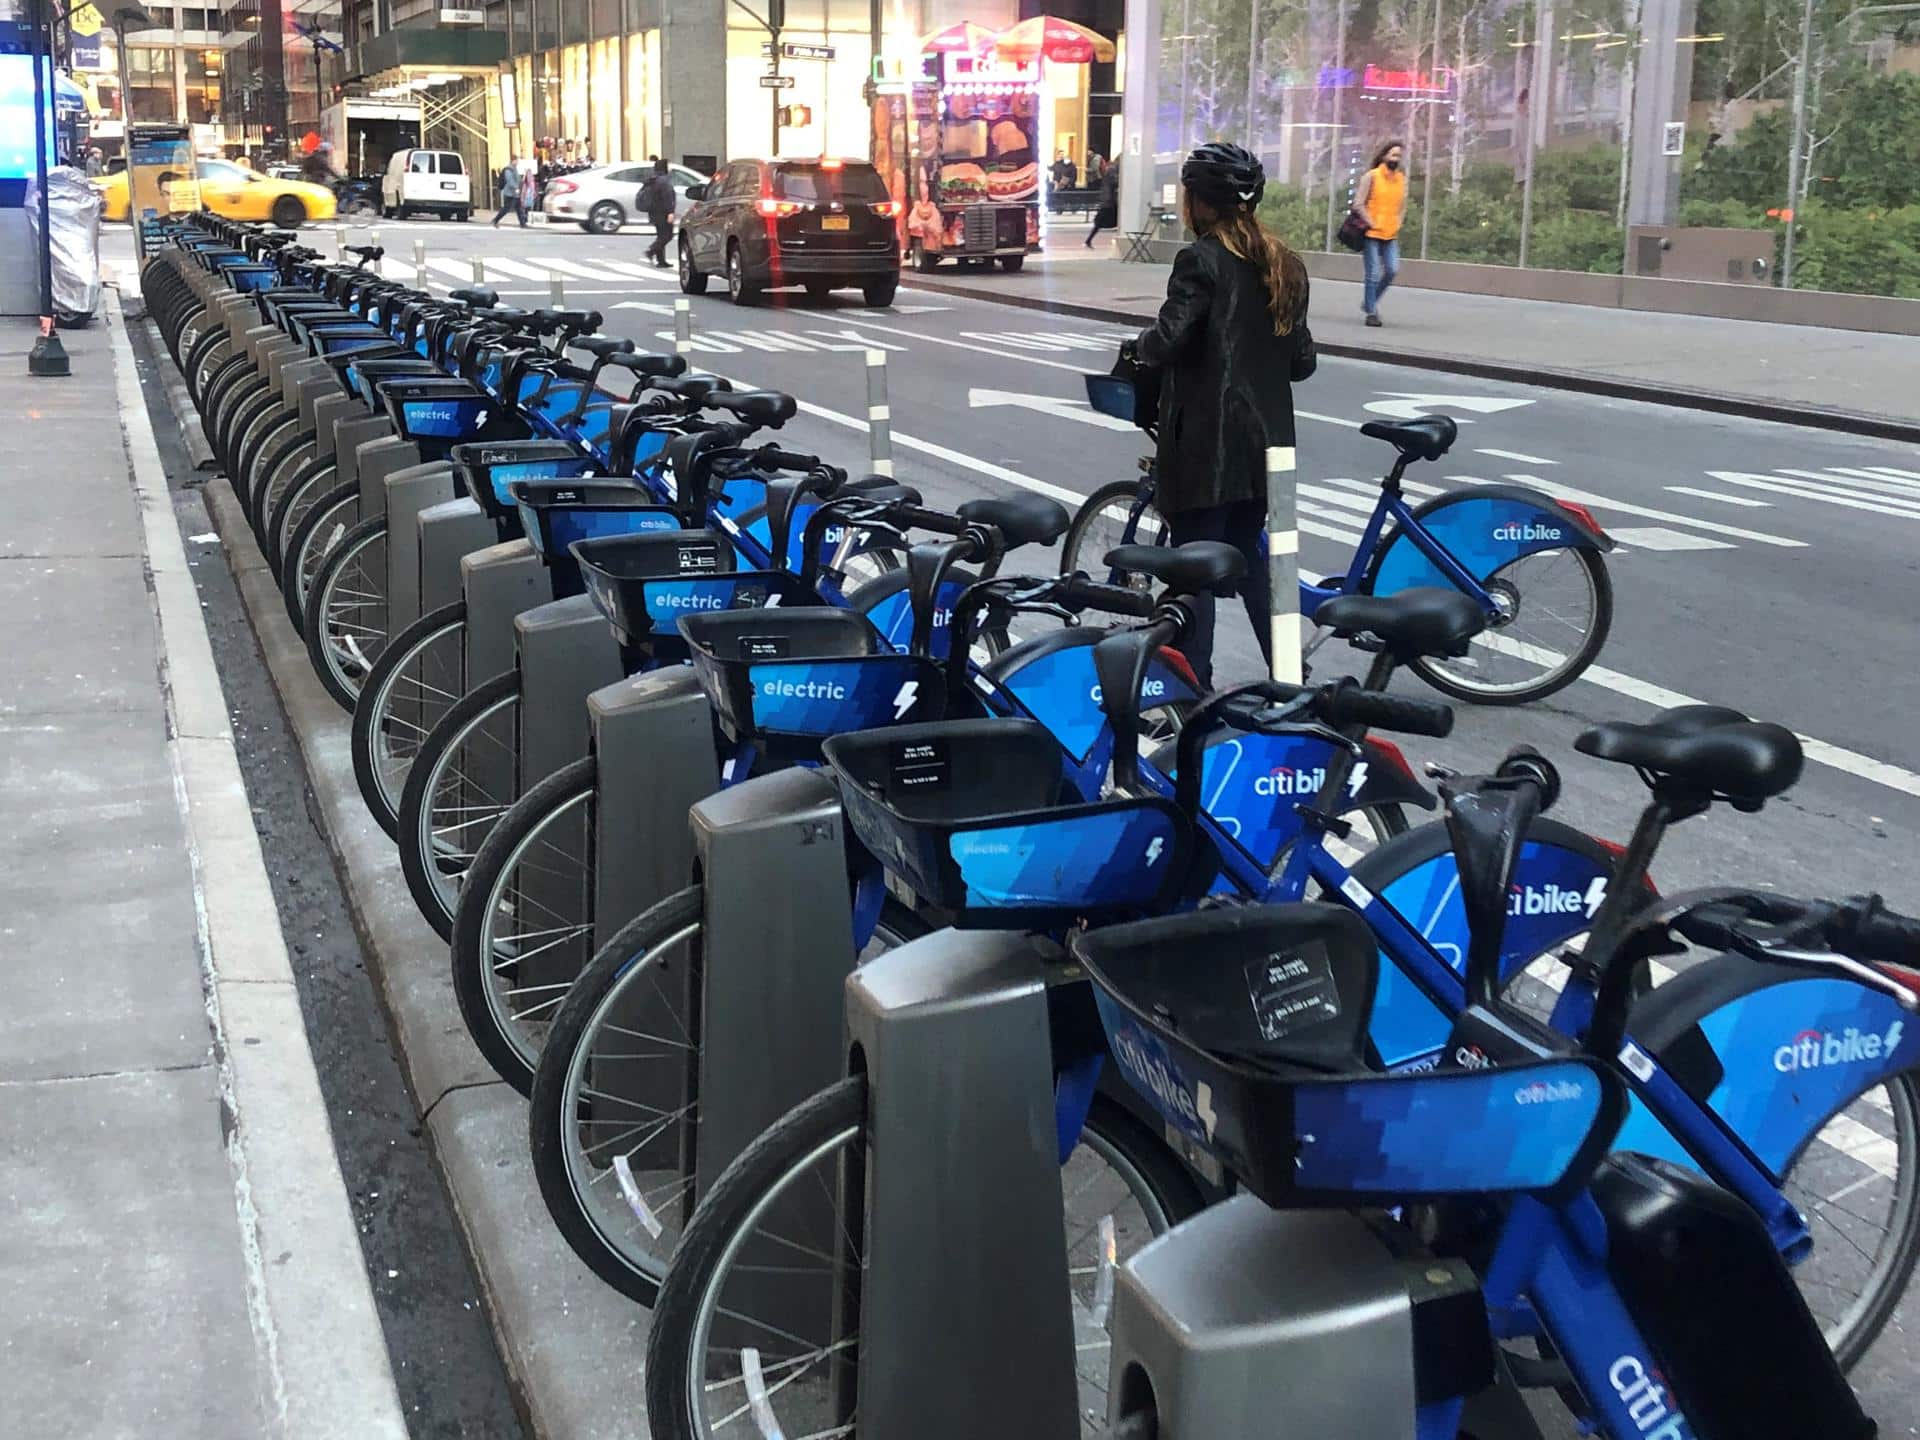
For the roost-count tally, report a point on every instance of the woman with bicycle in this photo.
(1230, 339)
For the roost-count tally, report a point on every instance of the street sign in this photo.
(776, 82)
(793, 51)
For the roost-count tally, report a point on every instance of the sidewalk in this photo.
(178, 1256)
(1796, 373)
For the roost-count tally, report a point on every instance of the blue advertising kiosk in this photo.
(20, 138)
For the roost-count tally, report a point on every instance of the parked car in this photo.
(237, 193)
(432, 180)
(822, 223)
(601, 199)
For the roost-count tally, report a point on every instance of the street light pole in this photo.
(49, 356)
(1796, 160)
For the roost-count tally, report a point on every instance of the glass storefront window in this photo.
(604, 97)
(573, 93)
(643, 95)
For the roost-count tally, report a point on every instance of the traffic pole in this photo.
(340, 244)
(879, 414)
(682, 325)
(479, 271)
(419, 264)
(557, 292)
(1283, 564)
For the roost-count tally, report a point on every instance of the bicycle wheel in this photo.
(309, 481)
(325, 525)
(1123, 1188)
(458, 787)
(346, 621)
(286, 451)
(1556, 607)
(415, 681)
(1858, 1183)
(523, 923)
(601, 1153)
(1114, 515)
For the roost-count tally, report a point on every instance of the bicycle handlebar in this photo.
(1781, 928)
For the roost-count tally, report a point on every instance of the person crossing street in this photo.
(656, 202)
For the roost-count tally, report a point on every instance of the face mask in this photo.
(1393, 164)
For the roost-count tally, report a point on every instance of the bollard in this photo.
(682, 325)
(479, 271)
(340, 244)
(1283, 563)
(557, 292)
(879, 416)
(419, 264)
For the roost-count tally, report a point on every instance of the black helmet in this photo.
(1225, 176)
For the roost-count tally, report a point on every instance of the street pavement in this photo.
(1763, 566)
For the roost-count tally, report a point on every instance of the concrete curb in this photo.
(319, 1336)
(1817, 417)
(572, 1344)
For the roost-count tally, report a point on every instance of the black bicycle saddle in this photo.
(1189, 569)
(1426, 620)
(756, 407)
(1706, 746)
(1427, 438)
(1025, 519)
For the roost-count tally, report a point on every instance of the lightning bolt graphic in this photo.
(903, 702)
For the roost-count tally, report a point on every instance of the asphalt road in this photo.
(1766, 567)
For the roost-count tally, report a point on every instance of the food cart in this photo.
(957, 137)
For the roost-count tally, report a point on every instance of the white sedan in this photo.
(604, 198)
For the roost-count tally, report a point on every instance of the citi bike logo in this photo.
(1472, 1057)
(1194, 1112)
(1290, 780)
(1526, 531)
(1547, 1092)
(1813, 1049)
(1646, 1401)
(1149, 689)
(1551, 899)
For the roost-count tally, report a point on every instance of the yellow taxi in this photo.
(237, 193)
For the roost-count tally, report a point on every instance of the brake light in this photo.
(887, 209)
(562, 187)
(778, 209)
(1179, 665)
(1583, 515)
(826, 164)
(1618, 852)
(1388, 751)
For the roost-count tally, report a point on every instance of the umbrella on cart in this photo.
(1048, 37)
(965, 38)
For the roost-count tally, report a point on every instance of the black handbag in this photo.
(1352, 232)
(1306, 359)
(1145, 380)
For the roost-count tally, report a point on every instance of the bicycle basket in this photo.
(487, 470)
(977, 817)
(1245, 1028)
(556, 513)
(643, 583)
(779, 676)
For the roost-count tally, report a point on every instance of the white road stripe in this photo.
(636, 271)
(1854, 482)
(1819, 493)
(1659, 537)
(1904, 487)
(1723, 499)
(1516, 455)
(1835, 757)
(1895, 471)
(581, 271)
(1713, 527)
(1862, 1143)
(512, 269)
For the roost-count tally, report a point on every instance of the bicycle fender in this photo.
(1483, 528)
(1773, 1051)
(1560, 880)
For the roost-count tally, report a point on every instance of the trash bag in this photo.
(73, 209)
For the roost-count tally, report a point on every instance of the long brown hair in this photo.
(1241, 232)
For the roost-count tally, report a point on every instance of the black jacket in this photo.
(656, 196)
(1226, 392)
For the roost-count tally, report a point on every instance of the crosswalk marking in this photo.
(1824, 494)
(1723, 499)
(1602, 502)
(1910, 487)
(1895, 471)
(580, 271)
(1659, 537)
(1858, 482)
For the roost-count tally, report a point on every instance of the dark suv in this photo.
(818, 223)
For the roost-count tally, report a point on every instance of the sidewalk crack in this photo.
(85, 1075)
(427, 1114)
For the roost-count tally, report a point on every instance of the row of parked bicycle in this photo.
(806, 851)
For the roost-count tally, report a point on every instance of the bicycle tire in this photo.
(339, 507)
(473, 962)
(356, 544)
(255, 444)
(419, 859)
(1890, 1286)
(1434, 673)
(309, 481)
(1121, 493)
(795, 1139)
(263, 495)
(382, 797)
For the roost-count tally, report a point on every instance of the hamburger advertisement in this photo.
(988, 146)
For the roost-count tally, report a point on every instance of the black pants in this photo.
(1240, 524)
(662, 233)
(511, 203)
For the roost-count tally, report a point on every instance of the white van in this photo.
(434, 180)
